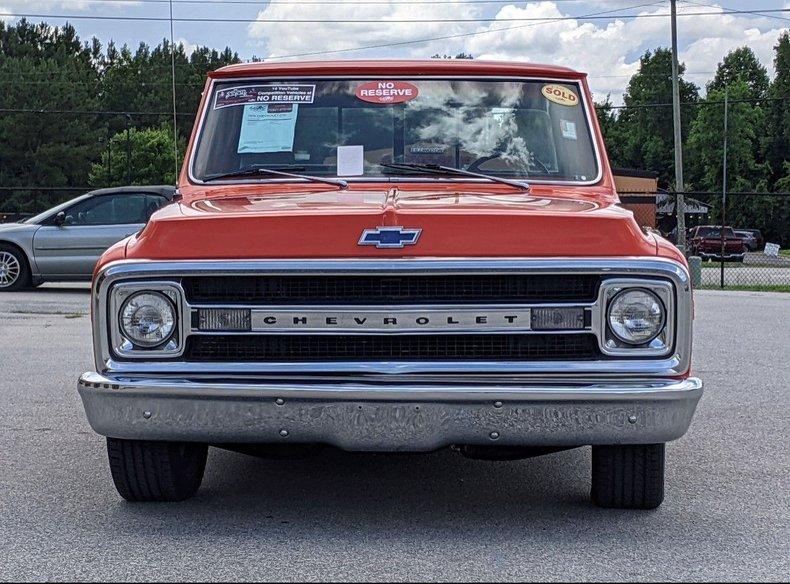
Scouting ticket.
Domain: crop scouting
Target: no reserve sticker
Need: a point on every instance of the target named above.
(387, 92)
(560, 94)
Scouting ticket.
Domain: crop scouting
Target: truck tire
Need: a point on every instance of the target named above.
(14, 271)
(156, 471)
(628, 477)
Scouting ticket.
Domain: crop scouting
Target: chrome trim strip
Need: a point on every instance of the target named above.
(578, 83)
(343, 314)
(674, 364)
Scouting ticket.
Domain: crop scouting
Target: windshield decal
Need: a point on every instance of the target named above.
(275, 93)
(568, 129)
(387, 92)
(267, 127)
(560, 94)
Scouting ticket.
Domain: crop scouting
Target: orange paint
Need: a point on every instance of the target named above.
(458, 219)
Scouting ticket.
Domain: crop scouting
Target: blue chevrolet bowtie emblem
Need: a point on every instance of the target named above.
(389, 237)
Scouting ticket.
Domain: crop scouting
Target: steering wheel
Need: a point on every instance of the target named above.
(475, 165)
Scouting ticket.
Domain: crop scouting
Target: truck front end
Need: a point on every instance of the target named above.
(393, 257)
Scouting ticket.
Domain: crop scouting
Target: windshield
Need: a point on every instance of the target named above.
(533, 130)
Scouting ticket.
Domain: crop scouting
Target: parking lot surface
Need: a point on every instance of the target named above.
(383, 517)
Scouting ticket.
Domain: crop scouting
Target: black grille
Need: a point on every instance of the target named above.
(377, 289)
(547, 347)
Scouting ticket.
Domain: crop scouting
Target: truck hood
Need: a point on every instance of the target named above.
(318, 223)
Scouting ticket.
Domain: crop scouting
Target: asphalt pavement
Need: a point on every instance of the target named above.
(344, 516)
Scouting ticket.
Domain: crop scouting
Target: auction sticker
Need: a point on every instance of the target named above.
(560, 94)
(387, 92)
(290, 93)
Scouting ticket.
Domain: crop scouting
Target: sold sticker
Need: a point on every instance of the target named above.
(560, 94)
(387, 92)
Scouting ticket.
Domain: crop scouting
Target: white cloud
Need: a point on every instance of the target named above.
(295, 38)
(608, 50)
(189, 47)
(69, 5)
(4, 10)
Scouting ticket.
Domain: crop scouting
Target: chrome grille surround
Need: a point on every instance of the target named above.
(672, 361)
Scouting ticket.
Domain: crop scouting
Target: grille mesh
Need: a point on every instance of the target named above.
(547, 347)
(378, 289)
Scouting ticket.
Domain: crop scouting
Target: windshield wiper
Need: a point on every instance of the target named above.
(255, 169)
(438, 169)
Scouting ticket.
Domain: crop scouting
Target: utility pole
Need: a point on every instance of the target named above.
(680, 203)
(173, 81)
(724, 186)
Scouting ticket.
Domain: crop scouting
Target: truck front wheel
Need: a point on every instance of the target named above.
(628, 477)
(156, 471)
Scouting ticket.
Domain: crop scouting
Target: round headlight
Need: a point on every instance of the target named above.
(148, 318)
(636, 316)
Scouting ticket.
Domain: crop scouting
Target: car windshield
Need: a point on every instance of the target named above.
(535, 130)
(716, 232)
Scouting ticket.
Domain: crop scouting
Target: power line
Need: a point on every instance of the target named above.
(13, 110)
(138, 113)
(377, 20)
(758, 12)
(307, 2)
(691, 103)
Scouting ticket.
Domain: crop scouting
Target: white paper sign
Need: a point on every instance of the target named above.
(268, 127)
(350, 160)
(772, 249)
(568, 129)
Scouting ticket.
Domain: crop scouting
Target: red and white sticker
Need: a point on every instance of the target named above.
(560, 94)
(387, 92)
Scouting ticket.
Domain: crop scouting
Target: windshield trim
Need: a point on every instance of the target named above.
(206, 107)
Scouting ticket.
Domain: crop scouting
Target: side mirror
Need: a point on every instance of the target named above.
(60, 219)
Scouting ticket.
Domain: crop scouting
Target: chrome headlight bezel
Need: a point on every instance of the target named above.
(125, 347)
(661, 344)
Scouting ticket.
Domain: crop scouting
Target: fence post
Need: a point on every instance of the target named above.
(724, 185)
(695, 267)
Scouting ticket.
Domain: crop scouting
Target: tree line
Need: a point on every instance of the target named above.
(60, 127)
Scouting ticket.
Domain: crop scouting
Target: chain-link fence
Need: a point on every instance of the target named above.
(749, 252)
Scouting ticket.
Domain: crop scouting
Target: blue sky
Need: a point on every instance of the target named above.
(608, 49)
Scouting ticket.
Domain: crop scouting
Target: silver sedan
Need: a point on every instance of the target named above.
(65, 242)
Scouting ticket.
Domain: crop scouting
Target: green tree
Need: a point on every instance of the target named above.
(46, 72)
(137, 157)
(741, 65)
(745, 173)
(610, 129)
(646, 129)
(778, 117)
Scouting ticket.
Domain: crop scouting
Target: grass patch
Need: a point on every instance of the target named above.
(74, 315)
(784, 252)
(750, 288)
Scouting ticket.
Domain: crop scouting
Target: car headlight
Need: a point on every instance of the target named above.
(148, 319)
(636, 316)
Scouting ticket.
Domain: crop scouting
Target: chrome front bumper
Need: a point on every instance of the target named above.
(391, 416)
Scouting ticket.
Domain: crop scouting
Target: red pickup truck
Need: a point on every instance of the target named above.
(706, 241)
(393, 256)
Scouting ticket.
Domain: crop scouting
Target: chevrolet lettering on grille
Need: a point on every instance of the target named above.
(402, 320)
